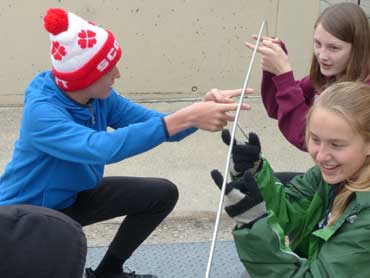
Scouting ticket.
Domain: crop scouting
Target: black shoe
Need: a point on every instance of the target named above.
(89, 273)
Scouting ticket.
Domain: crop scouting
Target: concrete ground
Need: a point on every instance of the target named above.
(186, 163)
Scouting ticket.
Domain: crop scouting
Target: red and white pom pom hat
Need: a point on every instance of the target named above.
(81, 52)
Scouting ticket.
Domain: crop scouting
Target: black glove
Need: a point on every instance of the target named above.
(241, 195)
(245, 156)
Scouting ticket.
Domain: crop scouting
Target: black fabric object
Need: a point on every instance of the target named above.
(37, 242)
(251, 195)
(219, 179)
(285, 177)
(254, 221)
(245, 155)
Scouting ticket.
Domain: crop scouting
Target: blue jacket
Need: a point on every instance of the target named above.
(63, 146)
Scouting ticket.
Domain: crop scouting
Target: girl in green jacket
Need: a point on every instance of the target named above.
(318, 225)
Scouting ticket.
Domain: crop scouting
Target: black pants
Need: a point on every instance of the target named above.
(144, 201)
(285, 177)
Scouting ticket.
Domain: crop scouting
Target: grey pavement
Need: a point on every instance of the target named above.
(187, 164)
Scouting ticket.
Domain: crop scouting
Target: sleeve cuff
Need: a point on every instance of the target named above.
(284, 81)
(165, 128)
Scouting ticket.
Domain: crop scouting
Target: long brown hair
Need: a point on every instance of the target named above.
(351, 101)
(349, 23)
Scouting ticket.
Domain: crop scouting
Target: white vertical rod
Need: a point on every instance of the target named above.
(226, 172)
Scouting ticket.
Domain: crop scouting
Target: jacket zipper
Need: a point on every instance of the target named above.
(93, 170)
(92, 114)
(92, 123)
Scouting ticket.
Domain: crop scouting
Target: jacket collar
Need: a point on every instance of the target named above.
(360, 202)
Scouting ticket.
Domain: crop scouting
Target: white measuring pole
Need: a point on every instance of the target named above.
(226, 172)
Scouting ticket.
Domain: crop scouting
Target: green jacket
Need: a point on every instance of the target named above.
(342, 250)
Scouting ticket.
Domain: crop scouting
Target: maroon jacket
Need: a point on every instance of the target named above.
(288, 101)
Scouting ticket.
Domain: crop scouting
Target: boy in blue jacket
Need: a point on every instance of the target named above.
(59, 157)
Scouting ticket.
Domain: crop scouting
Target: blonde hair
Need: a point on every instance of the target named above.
(347, 22)
(351, 101)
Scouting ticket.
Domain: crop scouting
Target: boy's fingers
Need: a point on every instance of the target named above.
(226, 107)
(229, 117)
(237, 92)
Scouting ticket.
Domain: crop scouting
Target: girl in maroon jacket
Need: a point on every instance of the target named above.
(341, 44)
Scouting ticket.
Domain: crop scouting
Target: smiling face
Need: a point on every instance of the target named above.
(331, 53)
(335, 146)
